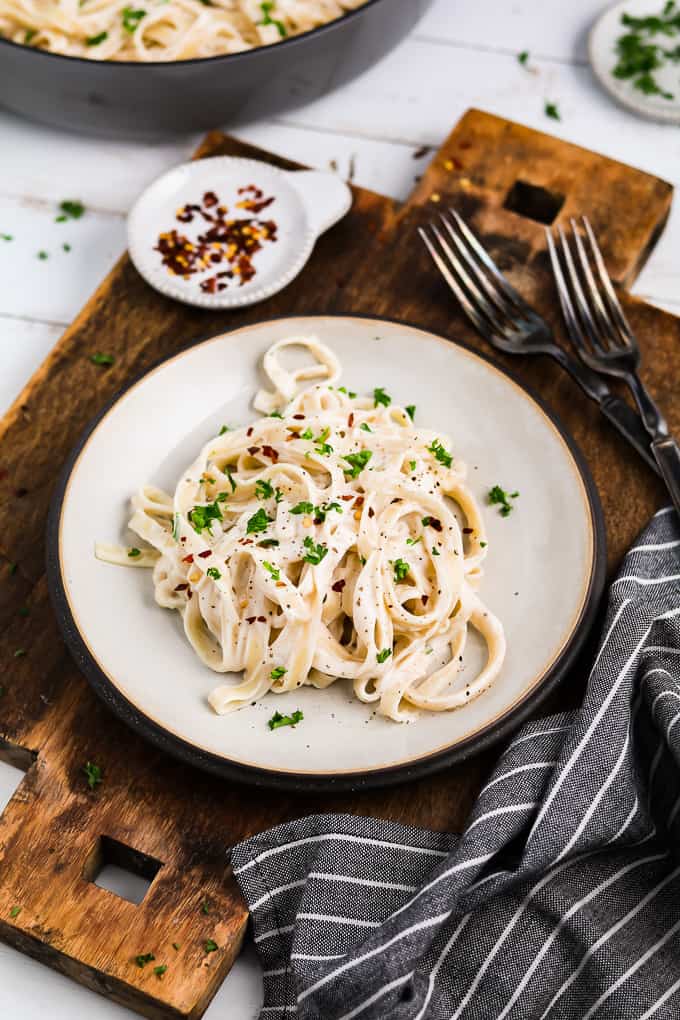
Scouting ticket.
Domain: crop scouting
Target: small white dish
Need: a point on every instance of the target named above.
(543, 577)
(603, 58)
(305, 204)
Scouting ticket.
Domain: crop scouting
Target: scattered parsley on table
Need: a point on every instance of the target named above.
(93, 774)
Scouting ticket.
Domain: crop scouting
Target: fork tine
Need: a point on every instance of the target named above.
(478, 322)
(613, 301)
(582, 307)
(608, 330)
(488, 262)
(573, 326)
(493, 291)
(471, 286)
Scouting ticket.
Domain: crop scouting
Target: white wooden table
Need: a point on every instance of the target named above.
(461, 55)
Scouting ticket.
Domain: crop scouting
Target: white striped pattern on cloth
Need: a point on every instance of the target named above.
(561, 898)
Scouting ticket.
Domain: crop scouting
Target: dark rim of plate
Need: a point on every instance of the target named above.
(233, 57)
(310, 782)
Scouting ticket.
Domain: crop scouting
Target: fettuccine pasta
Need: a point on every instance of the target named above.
(334, 538)
(161, 30)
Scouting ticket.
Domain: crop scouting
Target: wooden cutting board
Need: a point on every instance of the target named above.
(151, 814)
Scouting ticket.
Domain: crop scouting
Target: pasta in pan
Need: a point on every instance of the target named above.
(332, 538)
(161, 30)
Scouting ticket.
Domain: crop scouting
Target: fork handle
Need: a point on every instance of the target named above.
(667, 453)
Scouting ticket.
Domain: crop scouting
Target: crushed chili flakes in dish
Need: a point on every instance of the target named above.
(229, 241)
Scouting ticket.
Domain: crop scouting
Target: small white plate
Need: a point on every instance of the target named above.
(306, 203)
(603, 59)
(543, 575)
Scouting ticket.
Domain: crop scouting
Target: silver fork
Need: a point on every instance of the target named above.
(509, 324)
(603, 338)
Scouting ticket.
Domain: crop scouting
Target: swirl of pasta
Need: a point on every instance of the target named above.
(331, 539)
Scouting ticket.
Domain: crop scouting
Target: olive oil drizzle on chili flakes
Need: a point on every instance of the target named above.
(231, 241)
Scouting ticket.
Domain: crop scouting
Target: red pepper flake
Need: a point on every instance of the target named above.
(466, 531)
(371, 512)
(436, 525)
(232, 241)
(339, 585)
(188, 559)
(181, 587)
(252, 450)
(250, 431)
(299, 417)
(270, 452)
(204, 555)
(251, 619)
(350, 420)
(424, 599)
(293, 435)
(348, 497)
(190, 594)
(360, 501)
(262, 619)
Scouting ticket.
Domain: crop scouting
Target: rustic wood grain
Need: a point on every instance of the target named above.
(50, 721)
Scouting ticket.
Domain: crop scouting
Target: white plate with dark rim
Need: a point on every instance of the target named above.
(543, 577)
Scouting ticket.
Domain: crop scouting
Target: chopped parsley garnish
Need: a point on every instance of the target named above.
(134, 553)
(66, 247)
(94, 40)
(13, 567)
(274, 571)
(201, 517)
(175, 946)
(264, 489)
(267, 7)
(7, 237)
(276, 414)
(551, 110)
(175, 527)
(42, 255)
(414, 541)
(160, 970)
(411, 411)
(71, 209)
(523, 57)
(224, 428)
(348, 393)
(278, 672)
(131, 18)
(214, 573)
(315, 553)
(20, 652)
(24, 611)
(278, 495)
(322, 447)
(498, 496)
(210, 946)
(227, 472)
(483, 545)
(258, 522)
(102, 359)
(365, 426)
(412, 465)
(30, 36)
(14, 912)
(384, 655)
(440, 454)
(307, 434)
(380, 397)
(278, 720)
(303, 508)
(357, 462)
(639, 55)
(321, 511)
(93, 774)
(268, 543)
(205, 908)
(435, 551)
(401, 569)
(143, 958)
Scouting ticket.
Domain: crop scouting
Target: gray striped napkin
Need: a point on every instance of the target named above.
(562, 897)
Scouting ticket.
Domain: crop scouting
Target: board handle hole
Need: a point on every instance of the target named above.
(15, 761)
(534, 202)
(121, 870)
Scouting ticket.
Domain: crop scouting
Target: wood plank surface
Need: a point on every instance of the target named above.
(51, 723)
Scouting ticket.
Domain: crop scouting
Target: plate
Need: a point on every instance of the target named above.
(603, 58)
(543, 576)
(301, 204)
